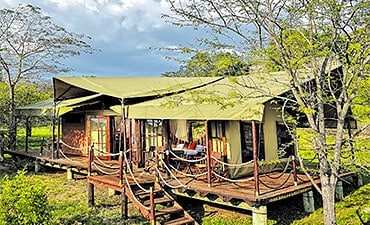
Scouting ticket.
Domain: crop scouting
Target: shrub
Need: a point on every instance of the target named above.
(23, 202)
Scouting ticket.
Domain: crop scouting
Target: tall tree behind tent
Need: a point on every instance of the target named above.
(210, 64)
(31, 47)
(296, 36)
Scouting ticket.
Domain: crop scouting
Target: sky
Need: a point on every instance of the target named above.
(125, 32)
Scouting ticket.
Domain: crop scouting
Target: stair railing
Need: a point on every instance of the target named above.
(152, 207)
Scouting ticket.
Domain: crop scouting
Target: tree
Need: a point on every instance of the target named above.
(209, 64)
(313, 36)
(32, 46)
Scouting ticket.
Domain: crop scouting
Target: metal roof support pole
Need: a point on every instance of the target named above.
(123, 131)
(255, 159)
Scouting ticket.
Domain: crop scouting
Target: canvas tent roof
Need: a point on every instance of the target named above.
(236, 98)
(125, 87)
(45, 108)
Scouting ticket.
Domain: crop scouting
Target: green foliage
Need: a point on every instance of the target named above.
(34, 140)
(348, 211)
(209, 64)
(23, 202)
(230, 220)
(361, 104)
(24, 94)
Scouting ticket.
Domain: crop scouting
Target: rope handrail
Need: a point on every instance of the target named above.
(64, 155)
(188, 174)
(231, 180)
(97, 166)
(166, 183)
(188, 160)
(106, 165)
(132, 175)
(132, 193)
(283, 172)
(71, 147)
(231, 164)
(279, 186)
(170, 171)
(105, 153)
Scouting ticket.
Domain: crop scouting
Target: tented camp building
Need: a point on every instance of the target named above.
(220, 139)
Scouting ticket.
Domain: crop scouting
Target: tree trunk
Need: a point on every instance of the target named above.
(328, 183)
(12, 120)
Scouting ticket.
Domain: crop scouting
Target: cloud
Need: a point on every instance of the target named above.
(123, 30)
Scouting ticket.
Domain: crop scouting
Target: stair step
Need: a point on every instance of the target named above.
(161, 200)
(180, 221)
(141, 192)
(168, 211)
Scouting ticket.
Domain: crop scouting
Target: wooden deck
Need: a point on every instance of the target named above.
(235, 194)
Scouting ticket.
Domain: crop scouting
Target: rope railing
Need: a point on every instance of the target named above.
(188, 174)
(132, 193)
(71, 147)
(282, 172)
(279, 186)
(231, 164)
(104, 153)
(99, 168)
(231, 180)
(170, 172)
(106, 165)
(64, 155)
(132, 175)
(166, 183)
(187, 160)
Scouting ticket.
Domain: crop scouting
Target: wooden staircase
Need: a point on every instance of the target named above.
(167, 210)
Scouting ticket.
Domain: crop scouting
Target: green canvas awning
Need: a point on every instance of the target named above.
(125, 87)
(45, 108)
(236, 98)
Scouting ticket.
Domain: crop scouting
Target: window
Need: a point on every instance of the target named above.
(247, 141)
(153, 133)
(99, 134)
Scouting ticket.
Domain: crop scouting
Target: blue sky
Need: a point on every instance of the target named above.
(123, 30)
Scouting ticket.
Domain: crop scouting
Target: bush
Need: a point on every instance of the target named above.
(23, 202)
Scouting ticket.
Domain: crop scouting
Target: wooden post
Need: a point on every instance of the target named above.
(255, 159)
(152, 207)
(294, 165)
(208, 161)
(156, 160)
(124, 204)
(130, 157)
(90, 160)
(58, 137)
(120, 160)
(91, 202)
(27, 132)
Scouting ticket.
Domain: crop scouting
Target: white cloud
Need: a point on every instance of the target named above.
(122, 29)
